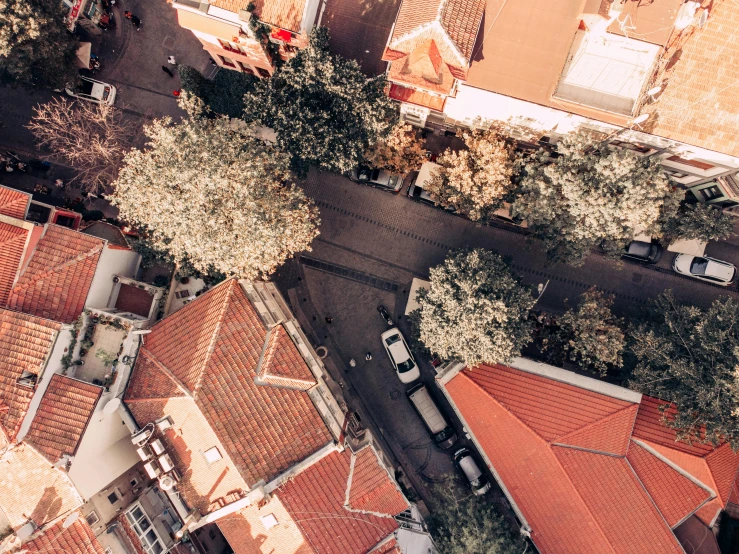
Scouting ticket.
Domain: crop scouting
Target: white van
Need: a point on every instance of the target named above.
(442, 433)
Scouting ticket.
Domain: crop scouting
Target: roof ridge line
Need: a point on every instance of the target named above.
(602, 419)
(213, 338)
(583, 449)
(167, 372)
(347, 506)
(55, 269)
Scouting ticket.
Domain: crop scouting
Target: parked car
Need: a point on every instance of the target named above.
(643, 252)
(93, 90)
(416, 190)
(466, 463)
(442, 433)
(400, 355)
(705, 268)
(377, 178)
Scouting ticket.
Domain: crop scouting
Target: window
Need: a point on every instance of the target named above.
(212, 535)
(134, 482)
(263, 72)
(228, 62)
(113, 497)
(144, 530)
(212, 455)
(92, 518)
(709, 193)
(245, 68)
(674, 173)
(268, 521)
(692, 163)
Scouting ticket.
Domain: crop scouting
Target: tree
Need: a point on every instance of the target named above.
(36, 48)
(400, 152)
(475, 309)
(224, 94)
(590, 335)
(474, 181)
(92, 138)
(690, 357)
(324, 110)
(213, 196)
(470, 525)
(591, 193)
(698, 222)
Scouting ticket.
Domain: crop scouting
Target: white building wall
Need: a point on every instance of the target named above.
(112, 262)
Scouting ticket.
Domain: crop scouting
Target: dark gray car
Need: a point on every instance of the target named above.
(643, 252)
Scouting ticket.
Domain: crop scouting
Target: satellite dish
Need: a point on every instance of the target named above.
(653, 91)
(641, 119)
(70, 519)
(703, 19)
(166, 482)
(112, 406)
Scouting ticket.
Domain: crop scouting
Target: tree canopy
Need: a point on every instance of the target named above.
(476, 180)
(224, 94)
(698, 222)
(590, 194)
(36, 48)
(212, 195)
(690, 356)
(400, 152)
(325, 111)
(475, 309)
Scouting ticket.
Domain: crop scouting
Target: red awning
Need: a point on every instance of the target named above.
(281, 34)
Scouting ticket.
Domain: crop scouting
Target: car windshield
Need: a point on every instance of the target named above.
(392, 339)
(698, 266)
(639, 249)
(406, 366)
(86, 86)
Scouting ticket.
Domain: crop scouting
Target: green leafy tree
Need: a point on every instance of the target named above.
(590, 335)
(690, 356)
(214, 197)
(35, 46)
(698, 222)
(591, 193)
(224, 94)
(400, 152)
(324, 110)
(475, 309)
(470, 525)
(476, 180)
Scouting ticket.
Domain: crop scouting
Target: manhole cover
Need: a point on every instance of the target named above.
(636, 278)
(394, 394)
(322, 352)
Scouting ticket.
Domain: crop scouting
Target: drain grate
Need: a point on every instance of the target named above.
(351, 274)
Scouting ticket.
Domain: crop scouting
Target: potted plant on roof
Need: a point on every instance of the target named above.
(106, 357)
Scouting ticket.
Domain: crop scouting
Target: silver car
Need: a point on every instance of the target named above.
(704, 268)
(466, 463)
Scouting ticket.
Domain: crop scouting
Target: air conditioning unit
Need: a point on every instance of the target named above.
(152, 470)
(166, 462)
(157, 447)
(141, 437)
(167, 482)
(144, 453)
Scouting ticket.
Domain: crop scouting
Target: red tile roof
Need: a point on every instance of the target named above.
(371, 489)
(414, 96)
(316, 497)
(78, 538)
(62, 417)
(14, 203)
(13, 241)
(649, 427)
(57, 279)
(210, 350)
(565, 456)
(25, 344)
(391, 546)
(282, 364)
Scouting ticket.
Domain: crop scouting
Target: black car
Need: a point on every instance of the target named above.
(643, 252)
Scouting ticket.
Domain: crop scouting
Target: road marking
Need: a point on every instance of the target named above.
(351, 274)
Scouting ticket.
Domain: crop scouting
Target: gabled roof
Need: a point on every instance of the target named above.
(566, 449)
(25, 344)
(13, 240)
(208, 352)
(287, 14)
(57, 279)
(329, 502)
(31, 488)
(14, 203)
(282, 364)
(106, 231)
(78, 538)
(62, 417)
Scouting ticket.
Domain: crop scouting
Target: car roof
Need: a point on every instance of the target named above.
(470, 467)
(721, 270)
(639, 248)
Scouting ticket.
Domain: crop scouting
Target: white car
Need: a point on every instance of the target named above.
(400, 355)
(93, 91)
(705, 268)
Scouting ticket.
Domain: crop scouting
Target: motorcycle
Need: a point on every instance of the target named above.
(385, 315)
(12, 162)
(94, 63)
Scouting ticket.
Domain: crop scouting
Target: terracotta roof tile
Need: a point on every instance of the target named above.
(618, 502)
(389, 547)
(610, 434)
(31, 488)
(78, 538)
(287, 14)
(212, 346)
(14, 203)
(371, 489)
(62, 417)
(315, 500)
(676, 496)
(13, 241)
(723, 464)
(57, 279)
(25, 344)
(551, 409)
(134, 300)
(282, 364)
(106, 231)
(649, 427)
(414, 96)
(151, 380)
